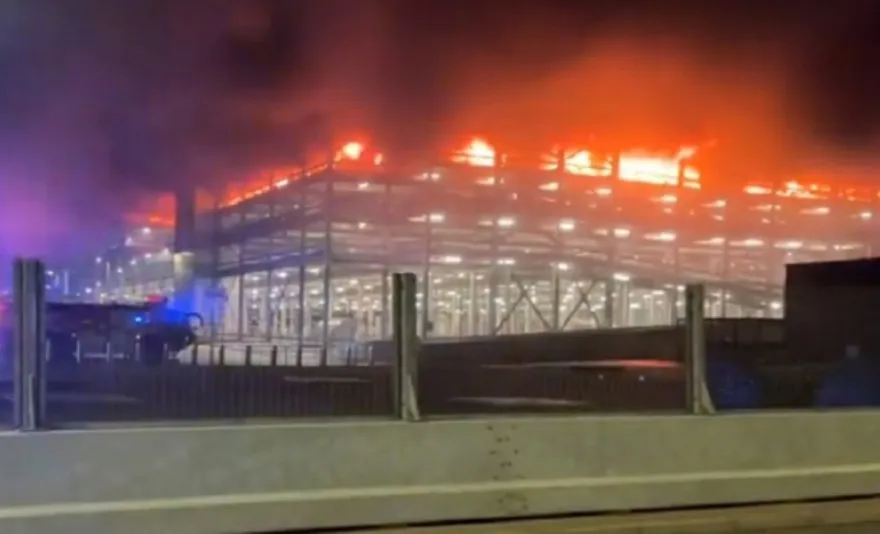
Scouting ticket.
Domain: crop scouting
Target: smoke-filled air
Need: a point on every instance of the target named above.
(106, 105)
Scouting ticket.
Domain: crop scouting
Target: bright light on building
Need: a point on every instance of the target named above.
(566, 225)
(622, 277)
(506, 222)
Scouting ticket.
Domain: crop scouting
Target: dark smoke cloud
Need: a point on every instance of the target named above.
(103, 102)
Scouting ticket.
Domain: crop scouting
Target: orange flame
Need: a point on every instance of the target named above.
(351, 151)
(633, 166)
(478, 153)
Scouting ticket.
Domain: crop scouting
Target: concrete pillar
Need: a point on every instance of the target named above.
(187, 291)
(473, 306)
(609, 306)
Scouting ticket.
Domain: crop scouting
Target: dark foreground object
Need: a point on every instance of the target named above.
(635, 371)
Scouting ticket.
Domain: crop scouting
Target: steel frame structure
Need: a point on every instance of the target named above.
(502, 249)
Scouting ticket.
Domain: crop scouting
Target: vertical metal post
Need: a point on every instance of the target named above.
(557, 301)
(725, 275)
(241, 278)
(301, 274)
(385, 318)
(425, 327)
(624, 313)
(672, 295)
(699, 400)
(30, 344)
(326, 344)
(406, 345)
(269, 310)
(473, 306)
(608, 306)
(217, 287)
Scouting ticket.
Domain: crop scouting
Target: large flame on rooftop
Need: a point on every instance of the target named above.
(634, 166)
(669, 169)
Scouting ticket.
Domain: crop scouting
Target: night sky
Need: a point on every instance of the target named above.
(103, 100)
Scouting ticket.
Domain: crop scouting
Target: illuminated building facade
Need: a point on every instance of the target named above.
(567, 240)
(138, 268)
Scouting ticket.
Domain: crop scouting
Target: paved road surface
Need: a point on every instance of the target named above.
(843, 517)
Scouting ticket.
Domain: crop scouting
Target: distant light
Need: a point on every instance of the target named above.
(790, 245)
(752, 242)
(820, 210)
(352, 150)
(566, 225)
(98, 259)
(563, 266)
(506, 222)
(622, 277)
(436, 217)
(665, 237)
(506, 261)
(146, 230)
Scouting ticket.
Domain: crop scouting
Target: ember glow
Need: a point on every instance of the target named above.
(478, 153)
(635, 166)
(351, 151)
(672, 169)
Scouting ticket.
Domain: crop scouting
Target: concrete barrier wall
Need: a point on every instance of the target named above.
(258, 478)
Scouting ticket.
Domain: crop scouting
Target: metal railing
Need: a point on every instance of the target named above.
(699, 366)
(401, 378)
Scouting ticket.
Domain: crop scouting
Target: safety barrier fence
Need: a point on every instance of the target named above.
(411, 463)
(698, 365)
(119, 382)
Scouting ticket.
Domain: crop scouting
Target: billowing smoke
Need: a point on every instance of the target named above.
(104, 103)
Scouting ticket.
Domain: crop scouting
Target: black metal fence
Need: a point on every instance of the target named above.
(698, 366)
